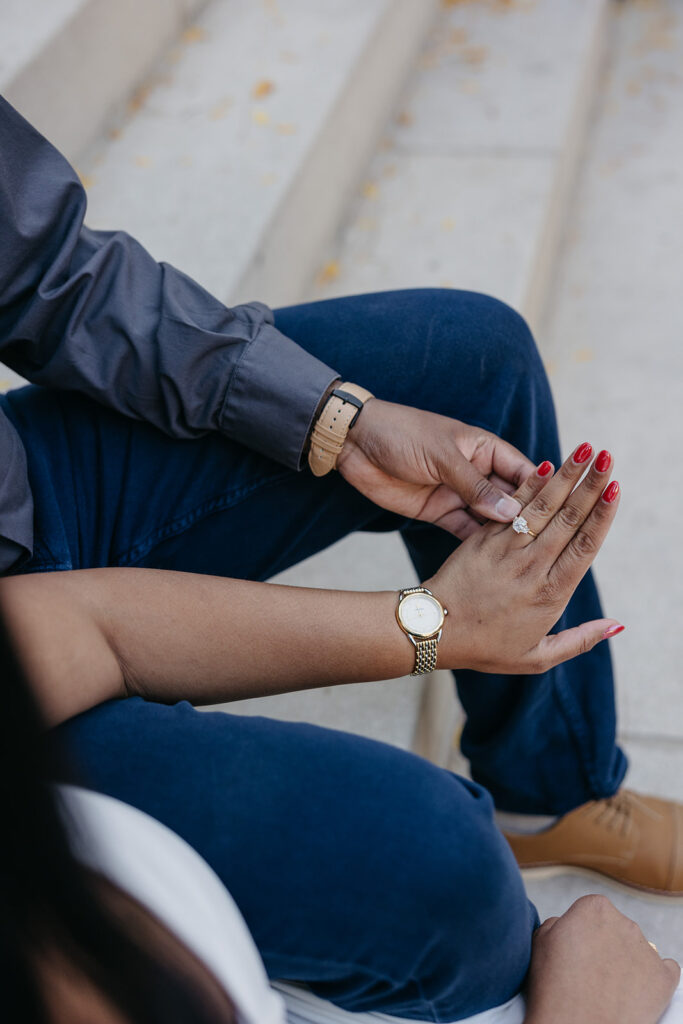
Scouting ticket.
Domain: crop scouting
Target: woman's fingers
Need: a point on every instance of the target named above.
(573, 513)
(576, 557)
(547, 502)
(674, 969)
(533, 484)
(558, 647)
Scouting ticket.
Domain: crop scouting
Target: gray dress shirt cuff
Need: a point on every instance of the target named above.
(272, 396)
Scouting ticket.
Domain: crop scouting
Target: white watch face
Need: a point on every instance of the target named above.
(420, 614)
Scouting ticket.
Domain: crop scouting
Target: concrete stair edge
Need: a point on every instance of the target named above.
(285, 257)
(440, 716)
(70, 85)
(567, 165)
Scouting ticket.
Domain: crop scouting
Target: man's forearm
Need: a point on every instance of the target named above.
(94, 312)
(92, 635)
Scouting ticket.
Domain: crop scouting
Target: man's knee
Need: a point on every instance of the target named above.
(495, 333)
(473, 341)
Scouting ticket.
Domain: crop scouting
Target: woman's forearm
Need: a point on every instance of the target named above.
(91, 635)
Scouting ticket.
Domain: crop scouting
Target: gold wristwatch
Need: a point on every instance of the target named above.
(421, 616)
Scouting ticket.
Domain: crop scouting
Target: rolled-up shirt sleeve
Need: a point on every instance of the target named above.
(92, 311)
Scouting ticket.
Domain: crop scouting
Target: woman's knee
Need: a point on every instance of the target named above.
(470, 912)
(445, 914)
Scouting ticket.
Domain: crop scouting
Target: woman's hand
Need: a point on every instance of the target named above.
(430, 467)
(595, 965)
(504, 591)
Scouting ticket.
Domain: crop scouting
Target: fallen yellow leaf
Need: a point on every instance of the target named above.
(262, 88)
(87, 180)
(329, 272)
(139, 98)
(193, 34)
(260, 116)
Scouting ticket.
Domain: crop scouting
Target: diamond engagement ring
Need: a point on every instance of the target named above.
(520, 525)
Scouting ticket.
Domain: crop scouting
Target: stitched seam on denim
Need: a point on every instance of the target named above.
(181, 523)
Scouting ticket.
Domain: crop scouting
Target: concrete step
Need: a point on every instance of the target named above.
(613, 342)
(66, 64)
(247, 139)
(468, 188)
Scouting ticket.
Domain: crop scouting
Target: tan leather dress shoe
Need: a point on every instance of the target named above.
(633, 840)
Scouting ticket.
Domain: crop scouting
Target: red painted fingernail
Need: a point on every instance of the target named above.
(610, 492)
(583, 453)
(544, 468)
(612, 631)
(603, 460)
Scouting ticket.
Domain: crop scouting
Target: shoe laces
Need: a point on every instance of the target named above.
(616, 812)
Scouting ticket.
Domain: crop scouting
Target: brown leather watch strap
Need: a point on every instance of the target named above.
(333, 424)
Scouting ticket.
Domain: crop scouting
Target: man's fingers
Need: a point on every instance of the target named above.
(504, 485)
(480, 494)
(459, 522)
(559, 647)
(509, 463)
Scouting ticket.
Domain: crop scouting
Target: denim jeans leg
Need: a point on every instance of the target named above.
(541, 744)
(364, 871)
(112, 491)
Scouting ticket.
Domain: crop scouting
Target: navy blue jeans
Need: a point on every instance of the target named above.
(370, 874)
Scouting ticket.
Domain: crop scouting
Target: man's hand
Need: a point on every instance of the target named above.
(595, 966)
(430, 467)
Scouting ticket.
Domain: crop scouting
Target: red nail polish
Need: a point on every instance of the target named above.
(612, 631)
(603, 460)
(544, 468)
(610, 492)
(583, 453)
